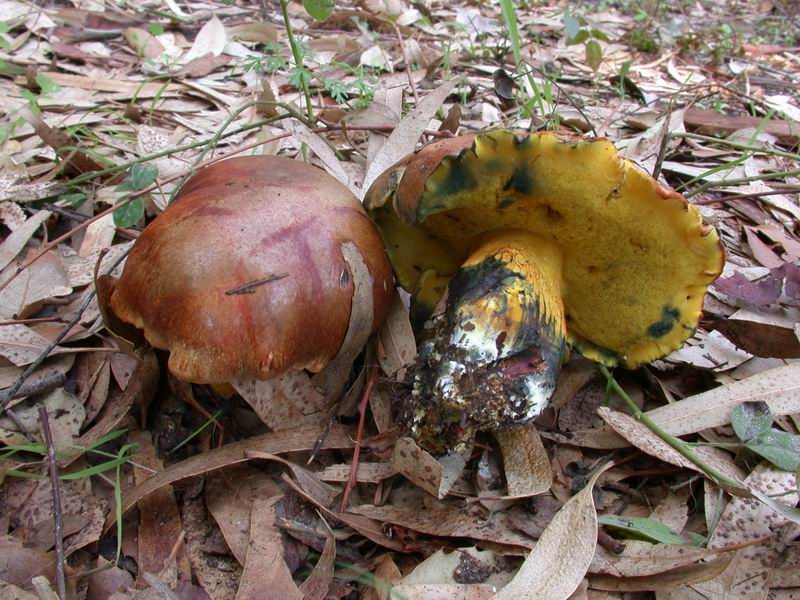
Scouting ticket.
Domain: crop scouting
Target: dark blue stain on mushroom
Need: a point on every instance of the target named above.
(669, 316)
(520, 181)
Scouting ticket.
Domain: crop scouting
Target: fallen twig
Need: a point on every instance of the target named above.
(59, 517)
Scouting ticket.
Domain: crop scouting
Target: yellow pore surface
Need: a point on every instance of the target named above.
(636, 259)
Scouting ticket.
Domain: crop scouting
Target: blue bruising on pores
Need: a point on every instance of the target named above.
(669, 316)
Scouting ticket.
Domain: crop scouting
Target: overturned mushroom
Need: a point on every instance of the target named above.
(533, 241)
(245, 274)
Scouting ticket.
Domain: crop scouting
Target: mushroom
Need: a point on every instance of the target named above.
(246, 272)
(532, 242)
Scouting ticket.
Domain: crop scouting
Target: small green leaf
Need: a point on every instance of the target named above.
(143, 175)
(599, 35)
(581, 37)
(47, 85)
(751, 419)
(319, 9)
(73, 198)
(155, 29)
(594, 54)
(129, 214)
(643, 527)
(571, 26)
(780, 448)
(4, 43)
(4, 28)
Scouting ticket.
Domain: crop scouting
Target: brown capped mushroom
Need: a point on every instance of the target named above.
(245, 273)
(533, 241)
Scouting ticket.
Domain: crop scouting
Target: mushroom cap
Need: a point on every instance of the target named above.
(637, 258)
(272, 222)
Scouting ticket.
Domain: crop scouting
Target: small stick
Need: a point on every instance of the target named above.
(250, 288)
(51, 462)
(362, 411)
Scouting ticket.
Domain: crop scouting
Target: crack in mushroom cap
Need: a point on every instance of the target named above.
(197, 281)
(637, 257)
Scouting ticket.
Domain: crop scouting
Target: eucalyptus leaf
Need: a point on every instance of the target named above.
(643, 527)
(780, 448)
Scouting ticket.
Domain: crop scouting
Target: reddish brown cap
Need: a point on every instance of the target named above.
(244, 274)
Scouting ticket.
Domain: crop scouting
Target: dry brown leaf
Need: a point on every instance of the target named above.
(145, 380)
(317, 584)
(51, 370)
(444, 591)
(461, 566)
(265, 567)
(333, 377)
(16, 240)
(18, 564)
(232, 511)
(323, 493)
(526, 463)
(779, 388)
(368, 472)
(386, 573)
(60, 142)
(66, 414)
(321, 148)
(160, 528)
(22, 345)
(397, 348)
(284, 403)
(46, 278)
(647, 441)
(559, 561)
(12, 592)
(369, 528)
(279, 441)
(434, 476)
(405, 136)
(210, 40)
(254, 32)
(690, 575)
(747, 520)
(641, 559)
(448, 520)
(144, 43)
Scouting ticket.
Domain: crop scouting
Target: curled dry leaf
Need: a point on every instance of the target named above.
(561, 557)
(333, 377)
(317, 584)
(434, 476)
(526, 463)
(643, 438)
(279, 441)
(265, 567)
(398, 348)
(321, 148)
(461, 566)
(779, 388)
(403, 139)
(691, 575)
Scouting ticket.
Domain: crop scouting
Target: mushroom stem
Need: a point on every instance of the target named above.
(498, 345)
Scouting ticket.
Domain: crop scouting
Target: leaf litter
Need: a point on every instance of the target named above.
(87, 91)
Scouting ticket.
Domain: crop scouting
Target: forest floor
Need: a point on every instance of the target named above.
(110, 470)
